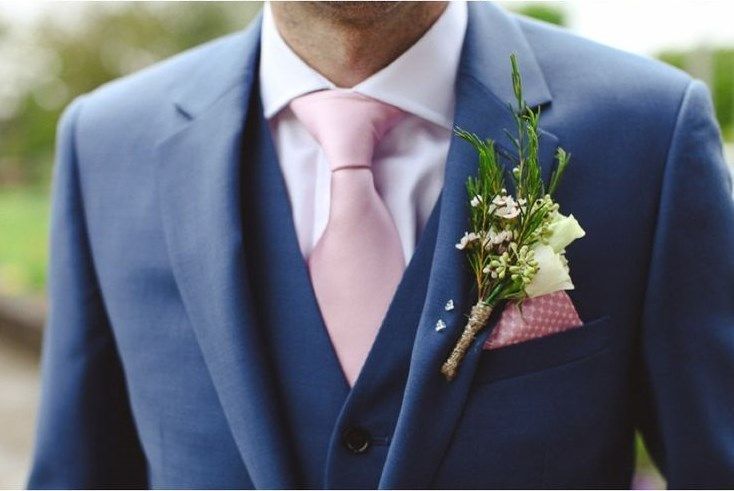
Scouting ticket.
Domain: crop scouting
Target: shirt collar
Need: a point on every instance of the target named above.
(433, 60)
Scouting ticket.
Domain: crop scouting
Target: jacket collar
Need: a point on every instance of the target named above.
(492, 35)
(223, 65)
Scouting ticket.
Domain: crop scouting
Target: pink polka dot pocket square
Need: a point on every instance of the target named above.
(538, 317)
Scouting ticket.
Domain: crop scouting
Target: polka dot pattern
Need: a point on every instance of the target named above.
(540, 316)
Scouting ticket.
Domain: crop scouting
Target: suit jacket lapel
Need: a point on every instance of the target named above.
(432, 406)
(200, 204)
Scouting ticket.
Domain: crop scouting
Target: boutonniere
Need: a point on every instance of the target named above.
(517, 241)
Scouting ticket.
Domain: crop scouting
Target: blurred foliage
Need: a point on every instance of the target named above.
(92, 44)
(721, 79)
(542, 11)
(23, 248)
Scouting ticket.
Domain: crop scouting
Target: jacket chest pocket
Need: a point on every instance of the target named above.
(544, 353)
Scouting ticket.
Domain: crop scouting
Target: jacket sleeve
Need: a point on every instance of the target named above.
(85, 436)
(686, 368)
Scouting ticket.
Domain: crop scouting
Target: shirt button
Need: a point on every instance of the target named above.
(357, 440)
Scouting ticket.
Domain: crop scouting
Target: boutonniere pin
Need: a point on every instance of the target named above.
(516, 243)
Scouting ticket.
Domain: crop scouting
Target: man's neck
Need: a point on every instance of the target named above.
(349, 41)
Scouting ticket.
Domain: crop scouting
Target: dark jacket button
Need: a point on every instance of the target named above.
(357, 440)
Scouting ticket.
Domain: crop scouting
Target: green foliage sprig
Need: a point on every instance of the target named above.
(505, 227)
(507, 230)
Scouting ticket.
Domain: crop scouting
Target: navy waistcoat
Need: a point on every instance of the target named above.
(339, 436)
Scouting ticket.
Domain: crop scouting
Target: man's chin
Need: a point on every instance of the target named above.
(357, 12)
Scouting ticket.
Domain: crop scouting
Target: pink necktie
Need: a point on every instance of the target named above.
(357, 263)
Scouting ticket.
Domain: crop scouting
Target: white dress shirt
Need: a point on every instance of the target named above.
(409, 161)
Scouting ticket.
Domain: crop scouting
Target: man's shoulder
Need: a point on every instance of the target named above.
(584, 69)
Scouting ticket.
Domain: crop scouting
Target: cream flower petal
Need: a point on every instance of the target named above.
(564, 230)
(552, 274)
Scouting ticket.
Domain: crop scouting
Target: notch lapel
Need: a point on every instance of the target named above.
(431, 405)
(199, 189)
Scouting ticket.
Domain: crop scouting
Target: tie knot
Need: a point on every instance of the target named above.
(346, 124)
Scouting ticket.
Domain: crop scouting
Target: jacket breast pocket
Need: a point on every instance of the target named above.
(544, 353)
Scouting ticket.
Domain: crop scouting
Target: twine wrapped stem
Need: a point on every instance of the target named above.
(478, 318)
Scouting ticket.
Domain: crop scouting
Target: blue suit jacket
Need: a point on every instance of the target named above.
(153, 372)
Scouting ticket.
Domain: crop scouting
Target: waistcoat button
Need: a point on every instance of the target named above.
(357, 440)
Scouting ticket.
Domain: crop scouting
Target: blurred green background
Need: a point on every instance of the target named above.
(72, 48)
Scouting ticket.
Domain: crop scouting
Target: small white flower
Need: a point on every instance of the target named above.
(501, 200)
(475, 201)
(507, 207)
(507, 212)
(466, 240)
(449, 305)
(440, 325)
(503, 236)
